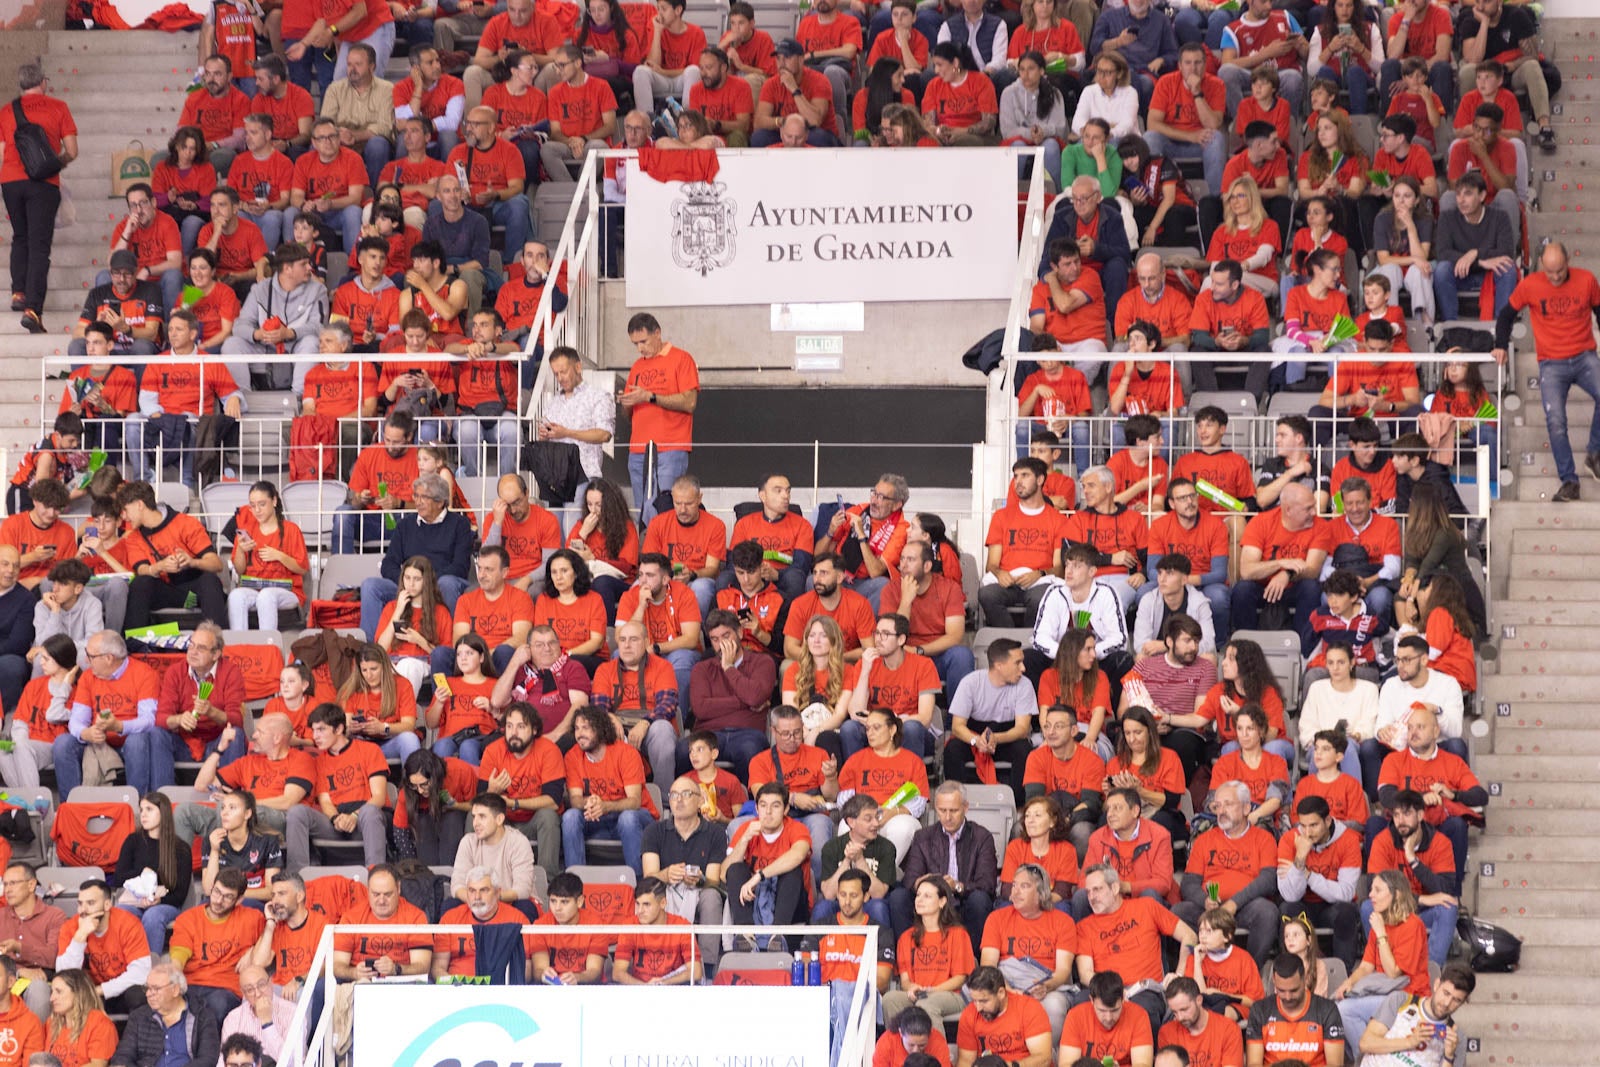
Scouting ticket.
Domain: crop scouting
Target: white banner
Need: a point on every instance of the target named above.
(590, 1026)
(806, 225)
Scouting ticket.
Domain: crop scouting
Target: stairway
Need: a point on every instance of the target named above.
(1535, 866)
(121, 87)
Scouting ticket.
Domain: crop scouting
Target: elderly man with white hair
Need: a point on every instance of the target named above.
(148, 1039)
(482, 903)
(444, 536)
(1241, 859)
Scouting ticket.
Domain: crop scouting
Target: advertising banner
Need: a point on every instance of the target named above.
(809, 225)
(590, 1026)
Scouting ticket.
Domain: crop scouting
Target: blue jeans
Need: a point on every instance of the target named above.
(400, 746)
(1220, 598)
(469, 751)
(497, 437)
(670, 466)
(155, 919)
(151, 756)
(352, 528)
(853, 737)
(954, 664)
(1440, 919)
(1556, 379)
(376, 592)
(1447, 289)
(311, 65)
(1213, 155)
(375, 153)
(1358, 81)
(1191, 26)
(625, 826)
(270, 222)
(345, 221)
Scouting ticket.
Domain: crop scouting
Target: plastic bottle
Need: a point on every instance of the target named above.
(814, 974)
(797, 970)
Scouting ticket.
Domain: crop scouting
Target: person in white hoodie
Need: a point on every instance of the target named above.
(1032, 112)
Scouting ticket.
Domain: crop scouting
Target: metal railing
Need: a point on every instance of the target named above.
(309, 1041)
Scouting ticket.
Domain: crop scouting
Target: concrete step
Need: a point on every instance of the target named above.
(1500, 906)
(1546, 876)
(1520, 515)
(1514, 1021)
(152, 123)
(1529, 823)
(1550, 542)
(85, 81)
(1497, 847)
(1510, 1049)
(1530, 798)
(1541, 768)
(1558, 959)
(1511, 741)
(1544, 662)
(145, 43)
(1527, 989)
(1547, 638)
(1556, 591)
(1526, 611)
(1531, 717)
(1541, 484)
(1554, 565)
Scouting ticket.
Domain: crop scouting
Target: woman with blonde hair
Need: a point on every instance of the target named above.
(1396, 958)
(1247, 236)
(815, 684)
(79, 1032)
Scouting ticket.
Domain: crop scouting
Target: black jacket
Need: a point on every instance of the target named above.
(144, 1038)
(929, 853)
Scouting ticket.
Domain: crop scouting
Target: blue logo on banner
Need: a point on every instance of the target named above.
(518, 1026)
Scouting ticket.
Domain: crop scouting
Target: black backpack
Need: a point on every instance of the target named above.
(39, 157)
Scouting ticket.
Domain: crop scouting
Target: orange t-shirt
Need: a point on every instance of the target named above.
(664, 621)
(609, 776)
(294, 948)
(1084, 770)
(1266, 534)
(688, 546)
(617, 689)
(963, 104)
(537, 766)
(107, 955)
(1271, 703)
(573, 623)
(1037, 939)
(375, 467)
(1313, 314)
(347, 776)
(1071, 393)
(1168, 776)
(1082, 1030)
(1127, 941)
(527, 541)
(1028, 541)
(578, 112)
(1007, 1034)
(1149, 392)
(1201, 545)
(1084, 323)
(1127, 472)
(461, 710)
(21, 533)
(900, 689)
(656, 955)
(854, 616)
(672, 370)
(568, 953)
(1083, 703)
(1060, 861)
(1219, 1045)
(1231, 862)
(216, 947)
(1346, 800)
(1172, 98)
(790, 534)
(939, 958)
(890, 1051)
(365, 948)
(493, 619)
(1456, 656)
(879, 777)
(189, 388)
(1230, 242)
(1231, 767)
(368, 704)
(97, 1041)
(1344, 851)
(1170, 313)
(334, 178)
(401, 647)
(265, 778)
(1408, 942)
(121, 696)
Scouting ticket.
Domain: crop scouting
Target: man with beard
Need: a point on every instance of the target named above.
(1024, 544)
(1208, 1038)
(1002, 1023)
(727, 103)
(656, 958)
(1172, 686)
(1240, 859)
(290, 938)
(110, 944)
(828, 597)
(1294, 1024)
(1123, 937)
(1031, 944)
(873, 534)
(209, 941)
(605, 790)
(380, 481)
(1105, 1029)
(1409, 1029)
(1416, 847)
(524, 768)
(1318, 864)
(482, 903)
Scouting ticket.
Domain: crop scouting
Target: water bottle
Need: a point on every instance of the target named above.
(797, 970)
(814, 975)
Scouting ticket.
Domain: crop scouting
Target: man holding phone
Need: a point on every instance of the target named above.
(39, 535)
(685, 851)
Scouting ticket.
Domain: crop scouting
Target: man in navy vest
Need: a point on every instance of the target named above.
(986, 37)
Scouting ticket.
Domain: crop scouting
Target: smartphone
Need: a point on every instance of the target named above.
(839, 499)
(692, 870)
(1344, 28)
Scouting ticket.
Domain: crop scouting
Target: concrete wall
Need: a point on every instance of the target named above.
(901, 343)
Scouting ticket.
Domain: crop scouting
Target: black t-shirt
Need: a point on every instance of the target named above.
(1516, 25)
(1273, 469)
(138, 307)
(260, 852)
(706, 846)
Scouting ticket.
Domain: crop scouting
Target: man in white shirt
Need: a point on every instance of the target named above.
(1080, 594)
(577, 412)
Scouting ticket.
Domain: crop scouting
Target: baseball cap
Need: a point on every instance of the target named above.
(789, 47)
(124, 260)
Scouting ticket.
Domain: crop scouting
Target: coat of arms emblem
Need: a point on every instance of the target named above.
(703, 228)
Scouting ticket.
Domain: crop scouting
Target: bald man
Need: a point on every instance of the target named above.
(16, 626)
(639, 691)
(1280, 563)
(496, 177)
(792, 132)
(1562, 300)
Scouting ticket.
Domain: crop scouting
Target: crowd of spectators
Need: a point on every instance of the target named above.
(757, 717)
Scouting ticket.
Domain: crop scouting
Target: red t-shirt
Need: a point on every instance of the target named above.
(941, 956)
(1228, 241)
(814, 86)
(495, 168)
(1251, 111)
(579, 111)
(151, 244)
(217, 116)
(435, 100)
(404, 171)
(1084, 770)
(608, 777)
(337, 177)
(1068, 384)
(1562, 317)
(1424, 33)
(238, 251)
(514, 112)
(46, 112)
(1346, 801)
(1026, 541)
(879, 777)
(1084, 323)
(1341, 853)
(1315, 315)
(286, 112)
(963, 104)
(726, 103)
(1408, 942)
(574, 623)
(689, 546)
(270, 177)
(672, 370)
(1266, 533)
(1176, 103)
(541, 36)
(1247, 313)
(1007, 1034)
(1127, 941)
(1082, 1030)
(899, 689)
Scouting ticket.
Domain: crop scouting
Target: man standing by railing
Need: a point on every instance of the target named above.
(662, 391)
(1563, 301)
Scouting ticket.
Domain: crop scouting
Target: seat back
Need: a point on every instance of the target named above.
(1282, 649)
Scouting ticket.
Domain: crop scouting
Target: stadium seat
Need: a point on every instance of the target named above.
(105, 794)
(1282, 649)
(311, 872)
(220, 501)
(346, 571)
(310, 505)
(69, 879)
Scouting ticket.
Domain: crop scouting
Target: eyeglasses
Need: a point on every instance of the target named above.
(202, 648)
(324, 137)
(682, 794)
(875, 495)
(775, 733)
(1241, 195)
